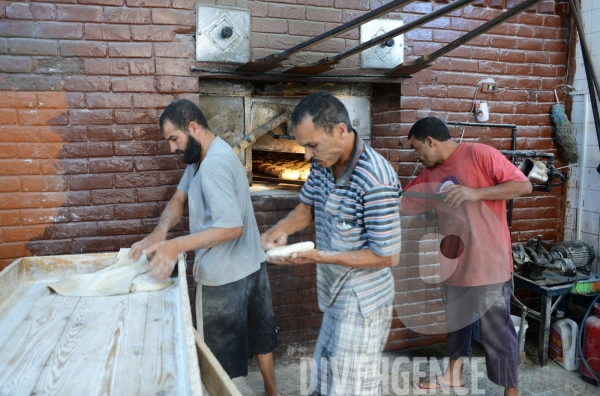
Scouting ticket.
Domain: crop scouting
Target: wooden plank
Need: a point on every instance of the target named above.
(214, 377)
(101, 343)
(187, 357)
(23, 356)
(18, 306)
(49, 268)
(159, 369)
(11, 278)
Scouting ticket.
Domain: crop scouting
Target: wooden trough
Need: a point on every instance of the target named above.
(135, 344)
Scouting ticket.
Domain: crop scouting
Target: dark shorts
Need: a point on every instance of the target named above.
(238, 321)
(498, 334)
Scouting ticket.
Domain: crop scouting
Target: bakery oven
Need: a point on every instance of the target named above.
(255, 120)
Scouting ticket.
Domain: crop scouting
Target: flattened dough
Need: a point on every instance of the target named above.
(287, 251)
(120, 278)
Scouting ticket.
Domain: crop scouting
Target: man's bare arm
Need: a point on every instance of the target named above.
(297, 220)
(168, 219)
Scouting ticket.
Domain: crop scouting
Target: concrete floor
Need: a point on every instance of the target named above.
(551, 380)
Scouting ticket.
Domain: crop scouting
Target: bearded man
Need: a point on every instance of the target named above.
(233, 296)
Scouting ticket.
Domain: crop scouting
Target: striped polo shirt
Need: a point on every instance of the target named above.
(359, 211)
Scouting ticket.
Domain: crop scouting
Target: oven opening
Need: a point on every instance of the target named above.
(279, 167)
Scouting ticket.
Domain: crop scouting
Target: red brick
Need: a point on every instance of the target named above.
(121, 227)
(20, 200)
(64, 167)
(62, 134)
(59, 30)
(177, 84)
(16, 28)
(512, 56)
(102, 2)
(87, 117)
(363, 5)
(91, 213)
(43, 183)
(128, 16)
(445, 36)
(8, 116)
(139, 66)
(42, 116)
(294, 12)
(109, 133)
(87, 149)
(79, 13)
(13, 64)
(129, 84)
(135, 148)
(35, 12)
(505, 42)
(113, 196)
(107, 32)
(136, 116)
(34, 150)
(18, 134)
(170, 177)
(156, 163)
(107, 165)
(106, 66)
(175, 50)
(12, 250)
(91, 182)
(130, 50)
(529, 44)
(173, 17)
(305, 28)
(155, 33)
(44, 216)
(491, 67)
(137, 179)
(172, 67)
(82, 48)
(10, 217)
(268, 25)
(87, 84)
(19, 46)
(96, 245)
(16, 234)
(52, 100)
(108, 101)
(152, 101)
(544, 70)
(9, 184)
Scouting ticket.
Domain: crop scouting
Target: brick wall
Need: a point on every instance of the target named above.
(83, 167)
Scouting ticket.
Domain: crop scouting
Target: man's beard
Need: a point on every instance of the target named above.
(192, 152)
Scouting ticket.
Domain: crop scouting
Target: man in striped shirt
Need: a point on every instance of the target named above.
(352, 194)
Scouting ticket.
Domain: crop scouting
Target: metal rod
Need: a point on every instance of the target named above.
(426, 60)
(257, 133)
(327, 63)
(274, 61)
(528, 153)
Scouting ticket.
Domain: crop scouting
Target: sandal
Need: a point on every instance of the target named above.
(438, 383)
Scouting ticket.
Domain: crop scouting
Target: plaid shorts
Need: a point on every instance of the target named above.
(348, 352)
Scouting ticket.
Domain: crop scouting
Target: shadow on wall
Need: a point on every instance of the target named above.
(79, 181)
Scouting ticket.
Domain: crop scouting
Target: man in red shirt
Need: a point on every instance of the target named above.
(475, 248)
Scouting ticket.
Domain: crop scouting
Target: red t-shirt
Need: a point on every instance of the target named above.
(485, 256)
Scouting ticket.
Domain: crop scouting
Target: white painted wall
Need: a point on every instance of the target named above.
(590, 215)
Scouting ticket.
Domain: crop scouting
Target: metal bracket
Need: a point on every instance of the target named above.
(222, 34)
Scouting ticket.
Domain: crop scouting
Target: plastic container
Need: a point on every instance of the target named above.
(591, 343)
(563, 344)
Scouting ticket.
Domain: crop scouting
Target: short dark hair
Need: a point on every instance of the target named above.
(325, 109)
(429, 127)
(180, 113)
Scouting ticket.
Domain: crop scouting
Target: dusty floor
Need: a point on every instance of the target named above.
(551, 380)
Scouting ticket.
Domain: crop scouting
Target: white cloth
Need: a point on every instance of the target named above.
(123, 277)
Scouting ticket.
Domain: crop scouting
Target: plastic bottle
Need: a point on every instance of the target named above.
(591, 343)
(563, 344)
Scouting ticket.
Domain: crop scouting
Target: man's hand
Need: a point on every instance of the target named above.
(456, 194)
(308, 257)
(164, 256)
(137, 249)
(273, 237)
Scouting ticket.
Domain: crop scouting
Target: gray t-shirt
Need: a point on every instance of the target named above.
(218, 196)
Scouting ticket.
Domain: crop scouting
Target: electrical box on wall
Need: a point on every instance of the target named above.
(222, 34)
(386, 55)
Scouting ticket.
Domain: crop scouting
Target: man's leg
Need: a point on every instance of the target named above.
(500, 339)
(262, 336)
(459, 317)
